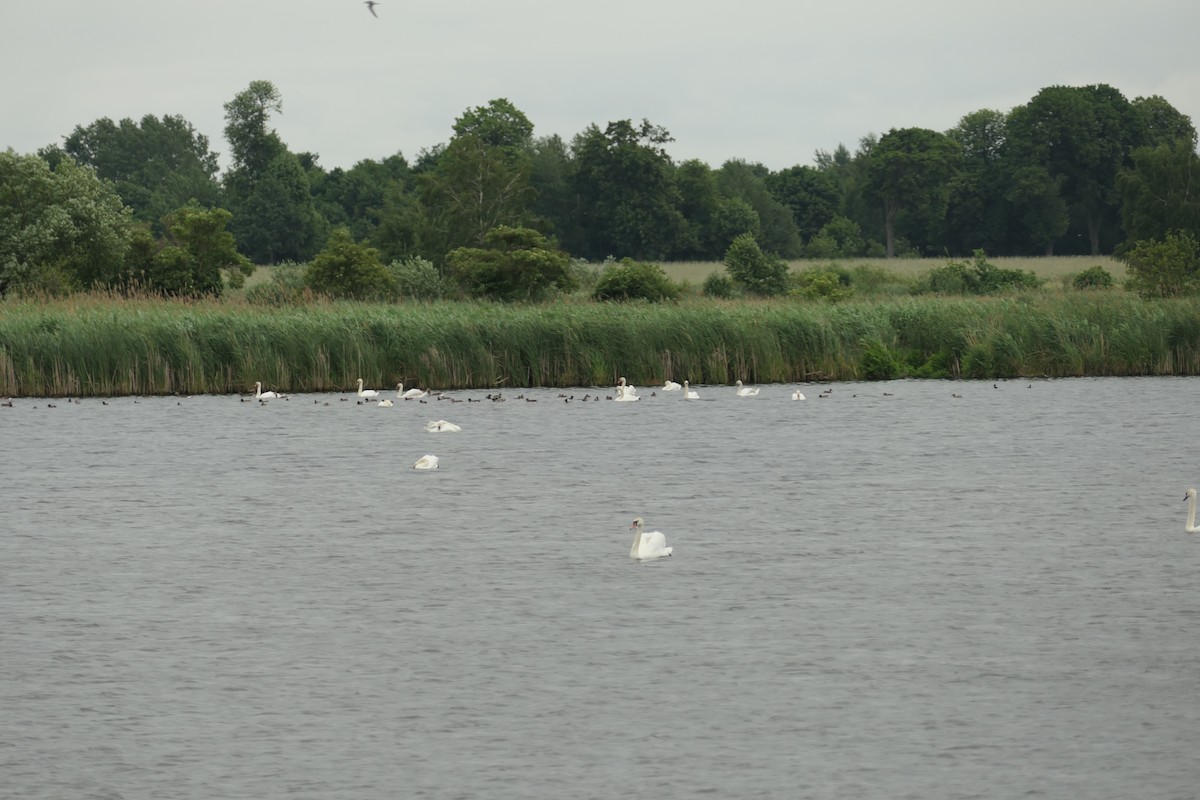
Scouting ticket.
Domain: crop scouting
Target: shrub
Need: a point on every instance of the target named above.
(758, 272)
(417, 279)
(350, 270)
(830, 283)
(878, 363)
(1093, 278)
(517, 264)
(288, 286)
(631, 280)
(718, 284)
(977, 277)
(1167, 268)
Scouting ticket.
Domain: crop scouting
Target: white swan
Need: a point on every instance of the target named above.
(366, 394)
(797, 395)
(426, 461)
(647, 545)
(688, 394)
(442, 426)
(746, 391)
(1191, 523)
(671, 386)
(625, 394)
(385, 403)
(411, 394)
(259, 394)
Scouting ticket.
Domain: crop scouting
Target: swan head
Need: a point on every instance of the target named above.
(738, 384)
(1189, 494)
(637, 523)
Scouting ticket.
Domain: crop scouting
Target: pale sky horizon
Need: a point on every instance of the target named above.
(760, 80)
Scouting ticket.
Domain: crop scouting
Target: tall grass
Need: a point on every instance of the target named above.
(110, 346)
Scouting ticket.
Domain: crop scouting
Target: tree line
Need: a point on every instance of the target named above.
(1076, 170)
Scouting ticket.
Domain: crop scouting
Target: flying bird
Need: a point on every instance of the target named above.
(370, 4)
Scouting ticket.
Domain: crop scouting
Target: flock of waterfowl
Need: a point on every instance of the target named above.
(645, 545)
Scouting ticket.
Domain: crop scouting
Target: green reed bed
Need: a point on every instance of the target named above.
(110, 346)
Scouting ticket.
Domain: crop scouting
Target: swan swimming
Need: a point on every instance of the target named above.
(259, 394)
(366, 393)
(625, 394)
(688, 394)
(647, 545)
(385, 403)
(411, 394)
(1191, 521)
(671, 386)
(797, 395)
(746, 391)
(441, 425)
(426, 461)
(625, 389)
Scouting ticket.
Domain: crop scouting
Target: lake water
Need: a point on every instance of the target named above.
(900, 595)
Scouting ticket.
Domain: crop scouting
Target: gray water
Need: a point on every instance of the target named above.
(907, 595)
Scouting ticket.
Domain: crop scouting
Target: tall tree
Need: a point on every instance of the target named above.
(60, 228)
(851, 173)
(253, 144)
(909, 170)
(268, 191)
(552, 207)
(628, 200)
(977, 212)
(748, 182)
(1160, 193)
(1162, 122)
(156, 165)
(498, 124)
(700, 207)
(1082, 136)
(481, 179)
(809, 193)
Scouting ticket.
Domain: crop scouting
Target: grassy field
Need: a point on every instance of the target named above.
(1052, 268)
(99, 345)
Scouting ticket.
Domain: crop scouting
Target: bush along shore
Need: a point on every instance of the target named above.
(100, 346)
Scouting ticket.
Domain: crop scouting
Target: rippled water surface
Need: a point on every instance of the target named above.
(901, 595)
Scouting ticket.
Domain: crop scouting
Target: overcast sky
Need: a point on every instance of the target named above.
(770, 81)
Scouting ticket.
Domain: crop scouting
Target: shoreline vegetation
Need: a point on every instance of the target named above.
(104, 345)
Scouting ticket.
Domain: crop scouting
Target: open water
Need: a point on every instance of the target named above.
(886, 592)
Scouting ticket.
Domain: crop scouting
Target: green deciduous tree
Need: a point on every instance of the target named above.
(274, 215)
(628, 202)
(59, 228)
(207, 252)
(1161, 191)
(810, 194)
(481, 179)
(155, 165)
(253, 144)
(515, 264)
(776, 231)
(1081, 136)
(909, 170)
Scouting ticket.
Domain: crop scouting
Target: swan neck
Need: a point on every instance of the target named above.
(1191, 521)
(637, 542)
